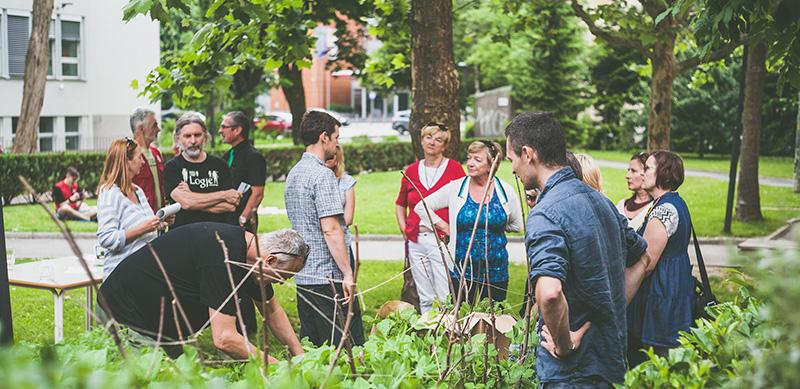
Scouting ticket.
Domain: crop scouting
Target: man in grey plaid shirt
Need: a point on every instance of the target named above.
(315, 210)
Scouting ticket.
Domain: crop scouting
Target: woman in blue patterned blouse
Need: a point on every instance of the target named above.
(463, 197)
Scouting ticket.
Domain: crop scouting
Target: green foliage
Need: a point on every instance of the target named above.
(777, 22)
(544, 56)
(389, 67)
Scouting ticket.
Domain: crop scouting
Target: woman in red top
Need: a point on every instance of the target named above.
(429, 175)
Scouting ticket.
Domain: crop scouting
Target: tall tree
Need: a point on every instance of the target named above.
(434, 78)
(654, 32)
(772, 28)
(36, 60)
(241, 45)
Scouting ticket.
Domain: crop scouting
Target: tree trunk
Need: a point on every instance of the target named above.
(434, 79)
(660, 113)
(748, 202)
(295, 96)
(797, 149)
(36, 60)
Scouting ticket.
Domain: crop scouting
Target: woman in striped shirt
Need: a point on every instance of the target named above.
(125, 220)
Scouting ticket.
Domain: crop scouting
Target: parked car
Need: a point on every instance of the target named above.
(272, 123)
(400, 121)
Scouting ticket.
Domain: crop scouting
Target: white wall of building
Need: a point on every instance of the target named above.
(113, 54)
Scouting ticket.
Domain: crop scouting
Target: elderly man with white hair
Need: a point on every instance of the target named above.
(144, 128)
(196, 265)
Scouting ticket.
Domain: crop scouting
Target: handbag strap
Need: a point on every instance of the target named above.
(701, 265)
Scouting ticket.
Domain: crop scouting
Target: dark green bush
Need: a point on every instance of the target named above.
(43, 170)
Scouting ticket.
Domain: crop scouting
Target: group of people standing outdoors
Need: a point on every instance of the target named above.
(608, 280)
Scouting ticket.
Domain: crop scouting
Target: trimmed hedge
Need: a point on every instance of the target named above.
(45, 169)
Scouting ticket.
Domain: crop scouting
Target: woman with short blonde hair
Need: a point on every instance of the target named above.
(125, 221)
(427, 175)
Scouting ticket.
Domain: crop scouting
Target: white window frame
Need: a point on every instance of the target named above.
(77, 132)
(56, 60)
(3, 44)
(14, 12)
(44, 135)
(61, 59)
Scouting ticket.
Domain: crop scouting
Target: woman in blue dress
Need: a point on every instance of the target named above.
(462, 197)
(663, 305)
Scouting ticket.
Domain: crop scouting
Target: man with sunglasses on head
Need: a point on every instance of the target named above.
(247, 165)
(197, 270)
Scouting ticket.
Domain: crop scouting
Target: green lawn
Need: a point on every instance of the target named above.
(376, 192)
(780, 167)
(32, 309)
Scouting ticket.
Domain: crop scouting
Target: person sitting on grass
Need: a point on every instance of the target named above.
(195, 263)
(68, 199)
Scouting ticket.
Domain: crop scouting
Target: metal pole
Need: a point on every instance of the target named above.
(6, 324)
(735, 146)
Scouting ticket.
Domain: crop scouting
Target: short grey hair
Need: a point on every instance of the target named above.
(285, 241)
(139, 116)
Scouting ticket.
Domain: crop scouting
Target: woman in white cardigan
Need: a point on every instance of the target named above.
(462, 197)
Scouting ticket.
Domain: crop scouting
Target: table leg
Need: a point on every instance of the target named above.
(89, 307)
(58, 315)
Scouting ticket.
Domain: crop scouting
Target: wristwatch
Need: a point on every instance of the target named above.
(242, 220)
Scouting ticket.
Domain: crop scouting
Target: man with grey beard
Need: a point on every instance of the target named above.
(201, 183)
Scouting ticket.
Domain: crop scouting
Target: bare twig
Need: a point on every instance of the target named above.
(112, 328)
(175, 301)
(342, 341)
(435, 233)
(529, 287)
(461, 283)
(235, 295)
(262, 289)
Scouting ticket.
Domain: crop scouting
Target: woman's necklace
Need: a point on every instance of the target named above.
(432, 180)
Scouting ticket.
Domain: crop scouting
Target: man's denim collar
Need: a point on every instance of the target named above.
(313, 157)
(562, 174)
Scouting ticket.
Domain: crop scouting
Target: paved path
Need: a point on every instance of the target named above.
(770, 181)
(717, 252)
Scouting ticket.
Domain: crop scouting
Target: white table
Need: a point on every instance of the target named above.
(65, 273)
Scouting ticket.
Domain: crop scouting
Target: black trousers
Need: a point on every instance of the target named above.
(316, 326)
(480, 290)
(637, 351)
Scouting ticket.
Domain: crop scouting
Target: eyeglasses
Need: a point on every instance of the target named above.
(291, 254)
(227, 126)
(438, 125)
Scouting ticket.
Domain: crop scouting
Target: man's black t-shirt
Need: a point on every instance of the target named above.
(248, 165)
(211, 175)
(194, 261)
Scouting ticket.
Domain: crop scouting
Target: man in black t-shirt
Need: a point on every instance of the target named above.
(247, 165)
(201, 183)
(194, 261)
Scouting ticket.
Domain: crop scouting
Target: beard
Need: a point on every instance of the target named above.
(192, 151)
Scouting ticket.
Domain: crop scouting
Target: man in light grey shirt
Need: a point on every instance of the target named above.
(315, 209)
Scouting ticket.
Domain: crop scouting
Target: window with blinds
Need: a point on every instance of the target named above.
(70, 48)
(18, 32)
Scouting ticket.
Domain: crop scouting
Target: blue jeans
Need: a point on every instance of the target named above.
(578, 383)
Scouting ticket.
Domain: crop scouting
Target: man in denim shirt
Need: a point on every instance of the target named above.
(585, 262)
